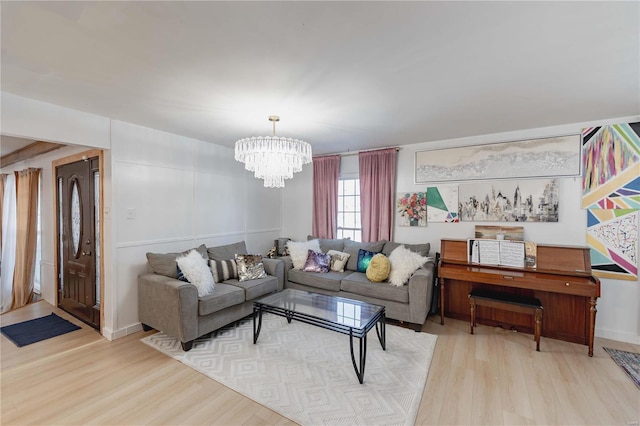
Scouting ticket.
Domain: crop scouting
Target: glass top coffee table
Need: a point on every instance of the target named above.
(340, 314)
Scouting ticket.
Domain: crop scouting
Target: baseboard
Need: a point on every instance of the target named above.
(122, 332)
(616, 335)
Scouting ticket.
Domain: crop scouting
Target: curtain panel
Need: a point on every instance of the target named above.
(377, 192)
(28, 184)
(326, 171)
(8, 243)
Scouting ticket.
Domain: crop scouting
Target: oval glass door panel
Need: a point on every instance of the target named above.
(75, 217)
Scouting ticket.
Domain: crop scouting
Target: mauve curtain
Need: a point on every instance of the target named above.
(28, 183)
(377, 192)
(326, 171)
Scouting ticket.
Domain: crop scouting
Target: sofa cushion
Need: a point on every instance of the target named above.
(317, 262)
(223, 270)
(299, 251)
(358, 283)
(250, 267)
(404, 263)
(196, 270)
(352, 247)
(223, 296)
(329, 281)
(421, 249)
(364, 258)
(379, 268)
(228, 251)
(327, 244)
(256, 288)
(165, 263)
(338, 260)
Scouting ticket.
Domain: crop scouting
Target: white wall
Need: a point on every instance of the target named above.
(618, 308)
(172, 193)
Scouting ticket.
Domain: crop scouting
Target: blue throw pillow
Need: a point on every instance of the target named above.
(364, 258)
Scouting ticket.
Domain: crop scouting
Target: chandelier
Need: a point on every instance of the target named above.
(273, 158)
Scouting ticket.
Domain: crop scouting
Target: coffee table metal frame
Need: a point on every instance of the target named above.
(377, 320)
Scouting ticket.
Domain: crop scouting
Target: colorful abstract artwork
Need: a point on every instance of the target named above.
(534, 200)
(611, 167)
(442, 204)
(612, 236)
(412, 208)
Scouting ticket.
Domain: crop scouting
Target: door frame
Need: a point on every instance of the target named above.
(81, 156)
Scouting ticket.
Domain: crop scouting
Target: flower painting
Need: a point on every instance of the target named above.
(412, 208)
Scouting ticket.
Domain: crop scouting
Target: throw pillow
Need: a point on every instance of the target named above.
(181, 276)
(195, 269)
(338, 260)
(317, 262)
(223, 270)
(352, 248)
(404, 263)
(379, 268)
(250, 267)
(299, 251)
(364, 258)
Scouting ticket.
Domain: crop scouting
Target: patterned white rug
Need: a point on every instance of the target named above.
(305, 373)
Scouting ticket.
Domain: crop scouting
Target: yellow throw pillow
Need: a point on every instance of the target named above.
(379, 268)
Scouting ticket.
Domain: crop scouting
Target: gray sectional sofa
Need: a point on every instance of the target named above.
(173, 306)
(409, 303)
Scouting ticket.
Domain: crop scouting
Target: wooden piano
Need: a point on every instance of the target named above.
(562, 281)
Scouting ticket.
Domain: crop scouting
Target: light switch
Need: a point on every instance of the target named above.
(131, 213)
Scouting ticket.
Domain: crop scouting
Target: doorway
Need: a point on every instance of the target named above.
(78, 201)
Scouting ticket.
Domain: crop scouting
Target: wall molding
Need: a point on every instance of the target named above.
(194, 237)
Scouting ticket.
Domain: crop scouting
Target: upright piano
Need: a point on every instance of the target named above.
(562, 280)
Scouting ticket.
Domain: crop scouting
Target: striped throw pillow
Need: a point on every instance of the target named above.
(223, 270)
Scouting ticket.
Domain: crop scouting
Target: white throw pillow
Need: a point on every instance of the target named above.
(299, 250)
(404, 263)
(194, 267)
(338, 260)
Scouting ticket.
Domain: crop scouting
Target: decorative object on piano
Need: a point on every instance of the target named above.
(611, 164)
(530, 254)
(612, 236)
(554, 156)
(412, 208)
(513, 233)
(510, 201)
(628, 361)
(442, 204)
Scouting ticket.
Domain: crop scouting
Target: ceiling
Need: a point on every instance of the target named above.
(342, 75)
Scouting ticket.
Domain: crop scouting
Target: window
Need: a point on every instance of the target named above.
(349, 225)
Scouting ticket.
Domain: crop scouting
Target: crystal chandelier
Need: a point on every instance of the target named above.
(273, 158)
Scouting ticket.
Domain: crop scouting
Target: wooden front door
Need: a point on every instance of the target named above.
(78, 248)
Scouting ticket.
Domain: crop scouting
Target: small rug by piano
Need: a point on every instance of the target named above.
(32, 331)
(628, 361)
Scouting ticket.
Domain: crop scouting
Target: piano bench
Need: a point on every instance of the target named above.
(507, 302)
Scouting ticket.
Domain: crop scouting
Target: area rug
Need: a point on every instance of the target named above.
(32, 331)
(305, 373)
(628, 361)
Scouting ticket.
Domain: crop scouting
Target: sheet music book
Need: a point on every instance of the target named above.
(497, 252)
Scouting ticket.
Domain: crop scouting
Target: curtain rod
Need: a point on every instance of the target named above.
(348, 154)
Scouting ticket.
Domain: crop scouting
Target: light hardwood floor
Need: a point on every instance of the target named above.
(494, 377)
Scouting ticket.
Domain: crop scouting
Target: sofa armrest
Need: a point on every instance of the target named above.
(421, 290)
(168, 305)
(275, 268)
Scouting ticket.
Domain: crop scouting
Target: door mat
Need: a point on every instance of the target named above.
(32, 331)
(628, 361)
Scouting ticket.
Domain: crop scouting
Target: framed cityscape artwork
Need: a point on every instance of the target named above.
(533, 200)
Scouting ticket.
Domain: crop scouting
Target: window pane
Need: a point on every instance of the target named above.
(358, 221)
(349, 204)
(340, 220)
(357, 236)
(357, 186)
(349, 220)
(340, 187)
(340, 204)
(349, 187)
